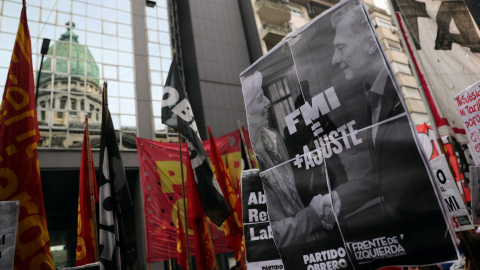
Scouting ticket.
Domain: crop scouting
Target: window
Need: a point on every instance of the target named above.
(394, 45)
(384, 24)
(296, 11)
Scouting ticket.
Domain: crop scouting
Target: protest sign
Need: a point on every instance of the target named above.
(8, 233)
(259, 246)
(468, 102)
(475, 190)
(162, 188)
(456, 211)
(444, 43)
(345, 182)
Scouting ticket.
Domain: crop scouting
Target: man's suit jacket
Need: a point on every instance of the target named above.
(396, 198)
(398, 185)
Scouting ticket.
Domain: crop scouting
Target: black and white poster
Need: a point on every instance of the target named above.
(346, 184)
(475, 189)
(8, 233)
(260, 249)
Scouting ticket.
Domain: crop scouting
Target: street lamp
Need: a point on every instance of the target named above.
(43, 51)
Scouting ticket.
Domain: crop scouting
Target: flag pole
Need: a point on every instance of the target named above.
(92, 192)
(105, 104)
(184, 198)
(245, 148)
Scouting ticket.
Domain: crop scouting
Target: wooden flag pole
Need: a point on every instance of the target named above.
(245, 148)
(184, 199)
(92, 192)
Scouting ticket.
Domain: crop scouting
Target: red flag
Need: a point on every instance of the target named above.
(204, 245)
(233, 224)
(87, 189)
(240, 254)
(182, 258)
(19, 169)
(194, 204)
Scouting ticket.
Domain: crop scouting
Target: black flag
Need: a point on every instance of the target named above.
(177, 113)
(114, 195)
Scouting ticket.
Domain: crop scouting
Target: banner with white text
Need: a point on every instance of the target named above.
(346, 184)
(260, 249)
(457, 213)
(8, 233)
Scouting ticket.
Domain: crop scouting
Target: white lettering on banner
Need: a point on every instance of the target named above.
(326, 145)
(172, 98)
(184, 111)
(310, 113)
(252, 198)
(378, 248)
(263, 234)
(326, 260)
(257, 216)
(272, 267)
(457, 213)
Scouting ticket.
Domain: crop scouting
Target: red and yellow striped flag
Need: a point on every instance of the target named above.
(233, 224)
(19, 168)
(86, 244)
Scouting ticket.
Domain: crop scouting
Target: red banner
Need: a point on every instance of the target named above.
(162, 191)
(19, 169)
(233, 224)
(182, 258)
(87, 188)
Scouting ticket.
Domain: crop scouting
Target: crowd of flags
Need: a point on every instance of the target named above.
(103, 240)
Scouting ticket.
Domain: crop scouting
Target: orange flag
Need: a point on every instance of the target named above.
(86, 219)
(182, 258)
(233, 224)
(19, 168)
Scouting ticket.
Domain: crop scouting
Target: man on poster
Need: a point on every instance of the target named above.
(395, 196)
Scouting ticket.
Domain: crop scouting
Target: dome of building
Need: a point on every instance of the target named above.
(77, 60)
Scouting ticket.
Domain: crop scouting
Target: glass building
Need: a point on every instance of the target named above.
(129, 44)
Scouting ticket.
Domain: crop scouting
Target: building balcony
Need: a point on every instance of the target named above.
(316, 8)
(272, 34)
(273, 11)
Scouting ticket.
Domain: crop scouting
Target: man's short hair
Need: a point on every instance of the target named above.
(352, 10)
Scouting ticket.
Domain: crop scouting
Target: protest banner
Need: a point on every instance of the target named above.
(444, 43)
(468, 102)
(345, 182)
(8, 233)
(456, 211)
(162, 191)
(260, 248)
(475, 190)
